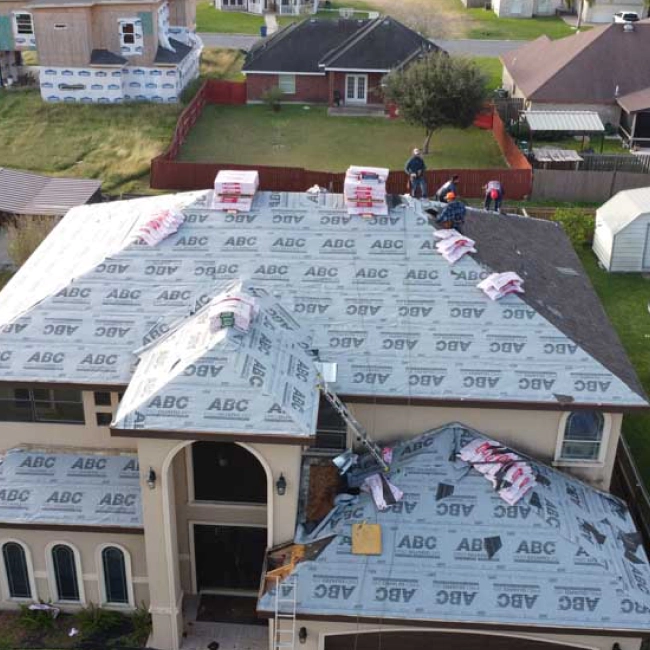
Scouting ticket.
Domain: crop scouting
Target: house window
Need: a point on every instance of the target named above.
(114, 570)
(583, 436)
(287, 83)
(130, 36)
(102, 398)
(16, 569)
(24, 24)
(331, 430)
(103, 419)
(66, 578)
(41, 405)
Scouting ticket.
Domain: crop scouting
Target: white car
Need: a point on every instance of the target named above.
(626, 17)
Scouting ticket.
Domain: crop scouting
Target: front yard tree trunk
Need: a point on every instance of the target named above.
(427, 141)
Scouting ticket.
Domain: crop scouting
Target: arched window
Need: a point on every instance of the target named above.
(583, 435)
(116, 585)
(16, 569)
(64, 568)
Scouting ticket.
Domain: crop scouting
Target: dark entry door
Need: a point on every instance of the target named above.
(228, 557)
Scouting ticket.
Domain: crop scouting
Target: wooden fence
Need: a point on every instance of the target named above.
(167, 173)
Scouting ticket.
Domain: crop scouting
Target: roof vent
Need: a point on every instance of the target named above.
(628, 27)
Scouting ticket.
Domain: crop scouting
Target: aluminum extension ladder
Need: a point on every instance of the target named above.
(361, 434)
(284, 627)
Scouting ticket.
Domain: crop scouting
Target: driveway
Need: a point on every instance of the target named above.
(460, 46)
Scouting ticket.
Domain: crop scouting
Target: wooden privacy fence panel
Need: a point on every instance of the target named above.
(510, 150)
(225, 92)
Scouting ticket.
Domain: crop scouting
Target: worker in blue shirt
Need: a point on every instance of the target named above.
(450, 186)
(453, 214)
(415, 168)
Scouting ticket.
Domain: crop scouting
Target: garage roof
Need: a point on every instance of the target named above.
(565, 556)
(70, 489)
(27, 193)
(569, 121)
(373, 295)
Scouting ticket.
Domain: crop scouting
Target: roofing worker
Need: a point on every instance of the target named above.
(453, 214)
(493, 192)
(415, 168)
(450, 186)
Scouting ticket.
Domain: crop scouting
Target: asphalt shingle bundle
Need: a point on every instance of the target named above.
(234, 190)
(365, 191)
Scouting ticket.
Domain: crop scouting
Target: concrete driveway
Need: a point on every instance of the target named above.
(461, 46)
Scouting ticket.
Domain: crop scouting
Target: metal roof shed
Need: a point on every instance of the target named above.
(572, 122)
(33, 194)
(622, 237)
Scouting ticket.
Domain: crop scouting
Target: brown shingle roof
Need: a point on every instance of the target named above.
(583, 68)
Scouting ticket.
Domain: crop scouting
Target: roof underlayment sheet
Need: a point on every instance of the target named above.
(571, 121)
(37, 487)
(566, 555)
(372, 295)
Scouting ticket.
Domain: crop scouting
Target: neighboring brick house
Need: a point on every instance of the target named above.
(105, 51)
(604, 69)
(332, 61)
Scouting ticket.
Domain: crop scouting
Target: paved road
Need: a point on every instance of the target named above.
(464, 46)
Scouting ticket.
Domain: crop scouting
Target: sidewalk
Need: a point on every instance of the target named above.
(271, 24)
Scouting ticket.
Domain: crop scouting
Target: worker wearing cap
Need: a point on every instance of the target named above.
(450, 186)
(415, 168)
(493, 192)
(453, 214)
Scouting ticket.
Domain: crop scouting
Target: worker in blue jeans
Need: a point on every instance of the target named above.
(415, 168)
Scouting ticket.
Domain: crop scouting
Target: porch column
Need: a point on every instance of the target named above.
(633, 130)
(161, 543)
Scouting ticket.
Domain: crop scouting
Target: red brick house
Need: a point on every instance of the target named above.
(332, 61)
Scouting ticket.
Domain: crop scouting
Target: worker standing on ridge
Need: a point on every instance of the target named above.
(493, 192)
(450, 186)
(453, 214)
(415, 168)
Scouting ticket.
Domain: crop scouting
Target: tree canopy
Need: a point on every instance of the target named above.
(438, 91)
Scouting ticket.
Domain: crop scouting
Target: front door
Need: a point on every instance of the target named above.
(228, 558)
(646, 251)
(356, 89)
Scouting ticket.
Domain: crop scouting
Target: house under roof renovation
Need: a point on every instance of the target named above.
(259, 368)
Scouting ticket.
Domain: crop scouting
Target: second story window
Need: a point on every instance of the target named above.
(130, 36)
(41, 405)
(583, 436)
(23, 24)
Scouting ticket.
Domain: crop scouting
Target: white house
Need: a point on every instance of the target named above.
(622, 238)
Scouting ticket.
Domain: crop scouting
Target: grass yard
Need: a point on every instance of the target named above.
(209, 19)
(625, 297)
(486, 24)
(295, 137)
(492, 69)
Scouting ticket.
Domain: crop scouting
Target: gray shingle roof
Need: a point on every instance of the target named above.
(167, 57)
(106, 57)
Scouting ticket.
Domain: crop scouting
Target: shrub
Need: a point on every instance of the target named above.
(578, 225)
(35, 622)
(141, 620)
(25, 235)
(272, 98)
(94, 621)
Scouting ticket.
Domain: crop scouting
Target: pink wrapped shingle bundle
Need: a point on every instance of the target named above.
(235, 311)
(235, 182)
(498, 285)
(234, 190)
(365, 191)
(452, 245)
(161, 225)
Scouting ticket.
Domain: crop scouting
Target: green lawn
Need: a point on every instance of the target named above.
(492, 69)
(295, 137)
(486, 24)
(209, 19)
(625, 297)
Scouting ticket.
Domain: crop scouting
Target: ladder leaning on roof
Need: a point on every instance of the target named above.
(360, 432)
(284, 624)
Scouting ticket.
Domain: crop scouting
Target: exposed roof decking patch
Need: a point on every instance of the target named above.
(372, 294)
(565, 556)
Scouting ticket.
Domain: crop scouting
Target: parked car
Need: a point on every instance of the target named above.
(626, 17)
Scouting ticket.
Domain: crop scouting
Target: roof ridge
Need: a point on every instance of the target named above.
(272, 41)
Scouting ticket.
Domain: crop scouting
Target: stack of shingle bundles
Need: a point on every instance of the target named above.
(452, 245)
(365, 191)
(498, 285)
(234, 190)
(161, 225)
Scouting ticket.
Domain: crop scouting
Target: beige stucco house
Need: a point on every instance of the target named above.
(154, 449)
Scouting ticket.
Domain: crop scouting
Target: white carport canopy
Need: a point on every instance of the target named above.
(567, 121)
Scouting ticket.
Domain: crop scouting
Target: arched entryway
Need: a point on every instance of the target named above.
(426, 639)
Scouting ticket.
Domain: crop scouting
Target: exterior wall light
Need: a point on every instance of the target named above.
(281, 485)
(151, 478)
(302, 635)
